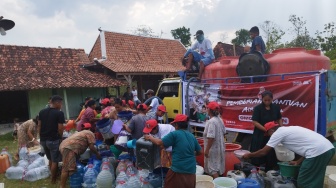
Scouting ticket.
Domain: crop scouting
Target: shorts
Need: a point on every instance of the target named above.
(69, 161)
(198, 58)
(51, 149)
(15, 133)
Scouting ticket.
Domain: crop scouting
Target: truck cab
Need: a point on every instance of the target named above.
(170, 92)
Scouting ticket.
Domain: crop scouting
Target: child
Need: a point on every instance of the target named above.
(16, 127)
(202, 116)
(98, 110)
(257, 42)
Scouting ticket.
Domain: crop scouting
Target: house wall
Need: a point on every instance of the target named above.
(71, 103)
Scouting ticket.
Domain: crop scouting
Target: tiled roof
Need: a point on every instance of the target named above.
(139, 55)
(23, 68)
(223, 49)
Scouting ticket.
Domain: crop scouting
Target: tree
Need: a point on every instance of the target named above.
(242, 37)
(302, 39)
(183, 34)
(145, 31)
(327, 38)
(273, 35)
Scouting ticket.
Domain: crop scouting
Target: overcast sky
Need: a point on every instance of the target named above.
(75, 23)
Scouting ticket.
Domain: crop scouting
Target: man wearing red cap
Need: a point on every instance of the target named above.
(160, 112)
(185, 145)
(315, 149)
(159, 131)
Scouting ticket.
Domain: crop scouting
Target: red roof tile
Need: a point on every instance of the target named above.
(136, 54)
(23, 68)
(223, 49)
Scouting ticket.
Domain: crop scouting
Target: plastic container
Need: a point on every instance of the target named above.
(14, 172)
(329, 170)
(155, 180)
(144, 183)
(121, 142)
(225, 182)
(283, 154)
(37, 173)
(39, 162)
(273, 175)
(331, 180)
(256, 176)
(76, 179)
(23, 153)
(248, 183)
(199, 170)
(230, 157)
(287, 170)
(117, 126)
(105, 179)
(133, 181)
(200, 158)
(122, 177)
(247, 167)
(104, 127)
(236, 174)
(4, 163)
(121, 184)
(90, 177)
(205, 184)
(283, 184)
(33, 156)
(203, 178)
(86, 155)
(131, 143)
(125, 116)
(148, 154)
(23, 163)
(5, 151)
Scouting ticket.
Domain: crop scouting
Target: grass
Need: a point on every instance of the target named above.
(7, 141)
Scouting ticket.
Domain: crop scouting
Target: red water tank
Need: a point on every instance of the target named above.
(287, 60)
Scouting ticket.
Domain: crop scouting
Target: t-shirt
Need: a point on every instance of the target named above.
(137, 124)
(184, 146)
(135, 95)
(154, 104)
(164, 129)
(50, 118)
(258, 41)
(300, 140)
(78, 142)
(86, 117)
(128, 96)
(203, 48)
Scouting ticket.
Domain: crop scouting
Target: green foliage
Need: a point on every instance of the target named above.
(333, 64)
(242, 37)
(183, 34)
(302, 38)
(273, 35)
(331, 54)
(327, 37)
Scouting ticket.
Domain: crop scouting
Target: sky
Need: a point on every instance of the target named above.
(75, 23)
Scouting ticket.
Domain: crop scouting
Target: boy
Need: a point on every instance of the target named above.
(257, 42)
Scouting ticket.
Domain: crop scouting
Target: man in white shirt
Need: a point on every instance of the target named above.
(135, 96)
(152, 108)
(316, 151)
(159, 131)
(203, 57)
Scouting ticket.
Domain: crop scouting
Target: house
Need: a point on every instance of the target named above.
(223, 49)
(30, 75)
(142, 59)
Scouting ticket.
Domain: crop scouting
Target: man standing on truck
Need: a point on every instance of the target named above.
(152, 107)
(161, 110)
(316, 151)
(203, 57)
(258, 43)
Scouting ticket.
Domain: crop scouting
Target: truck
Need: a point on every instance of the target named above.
(300, 80)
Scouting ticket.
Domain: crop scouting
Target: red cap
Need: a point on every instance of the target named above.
(105, 101)
(180, 118)
(87, 125)
(270, 125)
(144, 106)
(149, 126)
(162, 108)
(131, 104)
(123, 102)
(213, 105)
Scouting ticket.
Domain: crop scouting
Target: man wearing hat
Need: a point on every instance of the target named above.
(159, 131)
(203, 57)
(154, 102)
(185, 146)
(160, 112)
(72, 147)
(315, 149)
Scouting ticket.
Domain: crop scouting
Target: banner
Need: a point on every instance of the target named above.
(298, 100)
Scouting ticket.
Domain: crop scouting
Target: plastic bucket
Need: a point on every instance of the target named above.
(203, 178)
(117, 126)
(125, 115)
(283, 154)
(288, 170)
(224, 182)
(205, 184)
(103, 123)
(131, 143)
(329, 170)
(199, 170)
(230, 157)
